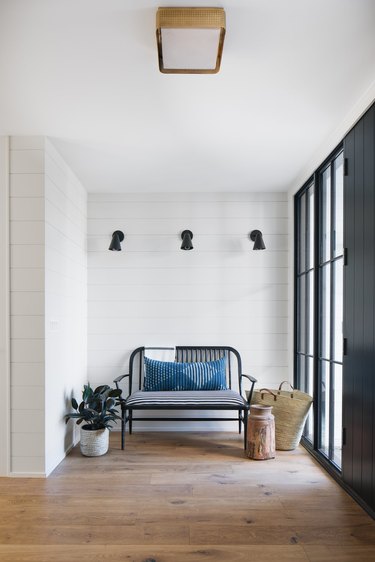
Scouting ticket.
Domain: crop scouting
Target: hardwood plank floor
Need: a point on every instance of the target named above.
(183, 497)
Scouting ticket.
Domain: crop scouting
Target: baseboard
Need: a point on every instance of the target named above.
(66, 453)
(27, 475)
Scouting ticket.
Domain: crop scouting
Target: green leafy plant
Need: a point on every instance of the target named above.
(97, 409)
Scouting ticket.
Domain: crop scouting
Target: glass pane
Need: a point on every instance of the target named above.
(325, 252)
(326, 311)
(310, 313)
(338, 227)
(325, 409)
(309, 427)
(310, 229)
(338, 292)
(302, 234)
(301, 372)
(337, 405)
(301, 314)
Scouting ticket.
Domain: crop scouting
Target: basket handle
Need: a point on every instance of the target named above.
(287, 382)
(264, 390)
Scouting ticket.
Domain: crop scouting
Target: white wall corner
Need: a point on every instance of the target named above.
(65, 300)
(4, 309)
(334, 138)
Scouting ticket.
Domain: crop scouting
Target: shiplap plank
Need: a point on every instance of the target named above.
(26, 161)
(177, 258)
(236, 308)
(22, 208)
(145, 291)
(189, 274)
(184, 210)
(27, 327)
(27, 232)
(113, 330)
(27, 255)
(27, 374)
(27, 279)
(119, 357)
(26, 185)
(171, 225)
(26, 142)
(236, 245)
(240, 196)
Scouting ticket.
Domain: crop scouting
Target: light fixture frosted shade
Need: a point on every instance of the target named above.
(117, 238)
(186, 237)
(257, 237)
(190, 40)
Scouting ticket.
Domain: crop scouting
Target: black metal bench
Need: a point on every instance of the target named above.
(223, 400)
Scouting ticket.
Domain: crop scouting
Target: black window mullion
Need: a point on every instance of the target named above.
(332, 320)
(317, 373)
(307, 286)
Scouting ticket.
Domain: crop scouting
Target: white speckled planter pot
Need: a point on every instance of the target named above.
(94, 443)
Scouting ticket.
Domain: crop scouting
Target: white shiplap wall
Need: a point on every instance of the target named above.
(65, 300)
(27, 305)
(48, 302)
(221, 293)
(4, 309)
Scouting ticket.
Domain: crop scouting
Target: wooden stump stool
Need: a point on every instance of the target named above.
(261, 433)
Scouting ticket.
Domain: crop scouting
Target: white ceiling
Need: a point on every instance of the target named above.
(85, 73)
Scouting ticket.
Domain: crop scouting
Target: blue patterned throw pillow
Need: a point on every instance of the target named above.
(163, 375)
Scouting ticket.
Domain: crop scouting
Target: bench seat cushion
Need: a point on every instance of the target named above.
(187, 399)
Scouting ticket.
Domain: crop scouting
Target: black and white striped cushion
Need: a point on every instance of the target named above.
(187, 399)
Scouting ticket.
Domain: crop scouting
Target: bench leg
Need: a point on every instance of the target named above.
(123, 422)
(130, 422)
(245, 416)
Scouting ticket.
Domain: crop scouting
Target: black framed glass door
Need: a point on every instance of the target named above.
(305, 288)
(319, 259)
(330, 274)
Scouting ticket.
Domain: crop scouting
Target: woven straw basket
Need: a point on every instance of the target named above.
(290, 410)
(94, 443)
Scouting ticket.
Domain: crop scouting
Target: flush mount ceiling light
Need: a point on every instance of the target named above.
(190, 40)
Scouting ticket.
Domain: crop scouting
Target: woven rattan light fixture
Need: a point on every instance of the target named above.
(190, 40)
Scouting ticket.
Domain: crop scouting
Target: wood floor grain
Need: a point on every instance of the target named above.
(183, 497)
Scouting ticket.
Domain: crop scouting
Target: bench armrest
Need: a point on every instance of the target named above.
(253, 381)
(118, 379)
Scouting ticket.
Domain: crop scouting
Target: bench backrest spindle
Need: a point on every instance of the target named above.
(191, 354)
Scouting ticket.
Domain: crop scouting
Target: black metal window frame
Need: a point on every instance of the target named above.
(315, 182)
(304, 272)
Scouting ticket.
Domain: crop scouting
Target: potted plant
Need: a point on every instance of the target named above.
(96, 412)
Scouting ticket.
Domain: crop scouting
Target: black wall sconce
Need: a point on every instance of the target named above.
(257, 237)
(117, 238)
(186, 237)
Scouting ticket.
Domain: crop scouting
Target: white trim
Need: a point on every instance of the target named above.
(336, 136)
(27, 474)
(4, 309)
